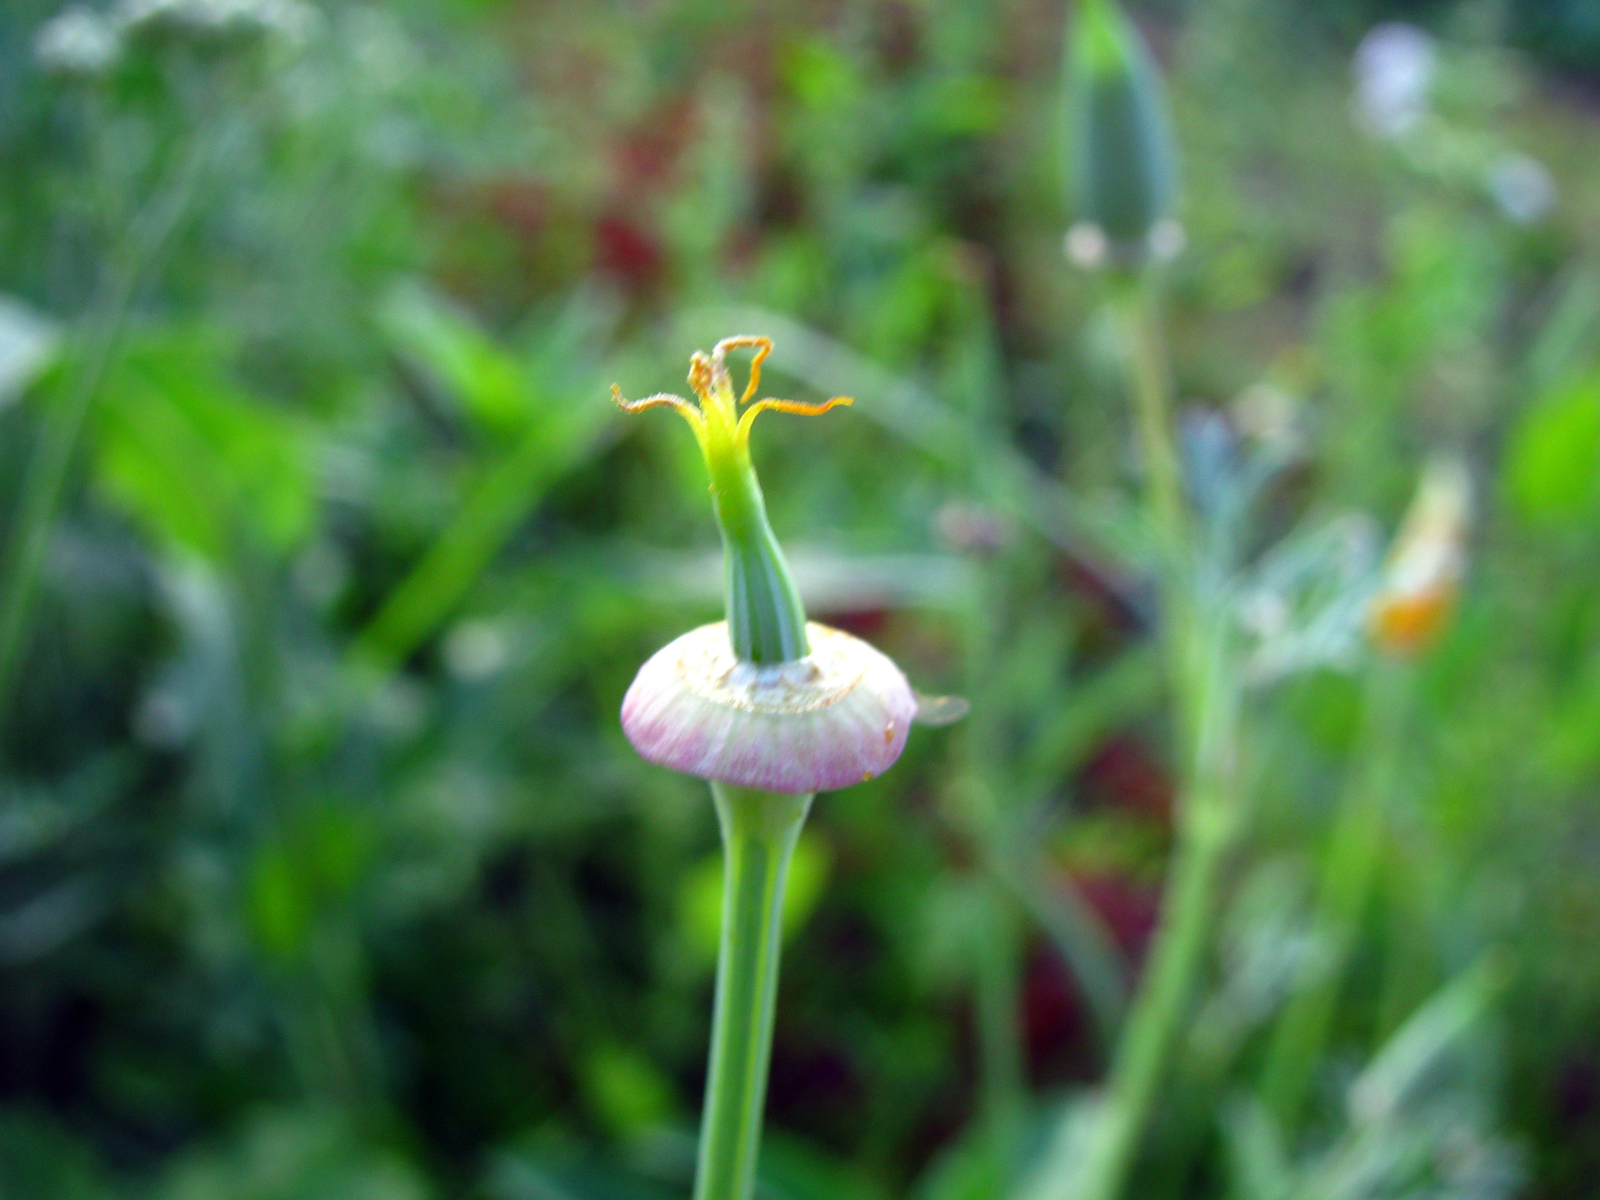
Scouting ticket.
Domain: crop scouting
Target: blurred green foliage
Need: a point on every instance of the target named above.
(324, 867)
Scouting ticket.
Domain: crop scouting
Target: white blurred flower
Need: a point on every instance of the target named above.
(29, 343)
(288, 20)
(1086, 246)
(75, 42)
(1522, 187)
(1394, 66)
(477, 649)
(1271, 416)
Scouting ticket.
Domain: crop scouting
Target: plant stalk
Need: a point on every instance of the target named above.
(1146, 1042)
(1354, 846)
(759, 831)
(996, 948)
(1151, 386)
(1207, 707)
(62, 425)
(998, 966)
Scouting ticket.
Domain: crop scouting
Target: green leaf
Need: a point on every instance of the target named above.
(700, 901)
(302, 1155)
(310, 865)
(278, 903)
(1552, 470)
(193, 457)
(627, 1091)
(435, 337)
(39, 1158)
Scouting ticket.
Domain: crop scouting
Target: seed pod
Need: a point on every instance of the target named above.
(1122, 167)
(765, 699)
(838, 716)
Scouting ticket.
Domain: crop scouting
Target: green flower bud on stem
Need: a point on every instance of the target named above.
(1122, 165)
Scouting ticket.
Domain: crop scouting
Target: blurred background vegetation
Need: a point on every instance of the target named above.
(324, 868)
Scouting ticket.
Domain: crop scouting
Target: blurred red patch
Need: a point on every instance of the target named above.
(866, 624)
(1122, 774)
(1055, 1019)
(627, 253)
(1128, 910)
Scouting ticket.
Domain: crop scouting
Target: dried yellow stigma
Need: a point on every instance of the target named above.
(718, 424)
(766, 621)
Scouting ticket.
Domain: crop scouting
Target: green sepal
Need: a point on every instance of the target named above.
(766, 619)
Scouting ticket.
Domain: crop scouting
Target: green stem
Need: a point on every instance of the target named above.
(759, 830)
(997, 959)
(1354, 846)
(49, 466)
(1190, 646)
(1207, 814)
(1078, 933)
(1146, 1042)
(1407, 965)
(996, 947)
(1152, 389)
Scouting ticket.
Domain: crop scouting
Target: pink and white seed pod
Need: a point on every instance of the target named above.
(835, 717)
(764, 700)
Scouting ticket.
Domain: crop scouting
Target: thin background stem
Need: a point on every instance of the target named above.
(1207, 706)
(1349, 864)
(63, 423)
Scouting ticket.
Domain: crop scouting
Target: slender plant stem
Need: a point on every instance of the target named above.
(48, 468)
(1152, 390)
(1207, 712)
(1207, 818)
(759, 830)
(1077, 932)
(1145, 1045)
(996, 952)
(997, 962)
(1354, 846)
(1407, 966)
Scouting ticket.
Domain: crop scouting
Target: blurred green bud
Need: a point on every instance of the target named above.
(1122, 167)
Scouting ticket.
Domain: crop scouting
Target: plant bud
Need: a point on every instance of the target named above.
(838, 716)
(1423, 573)
(1123, 172)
